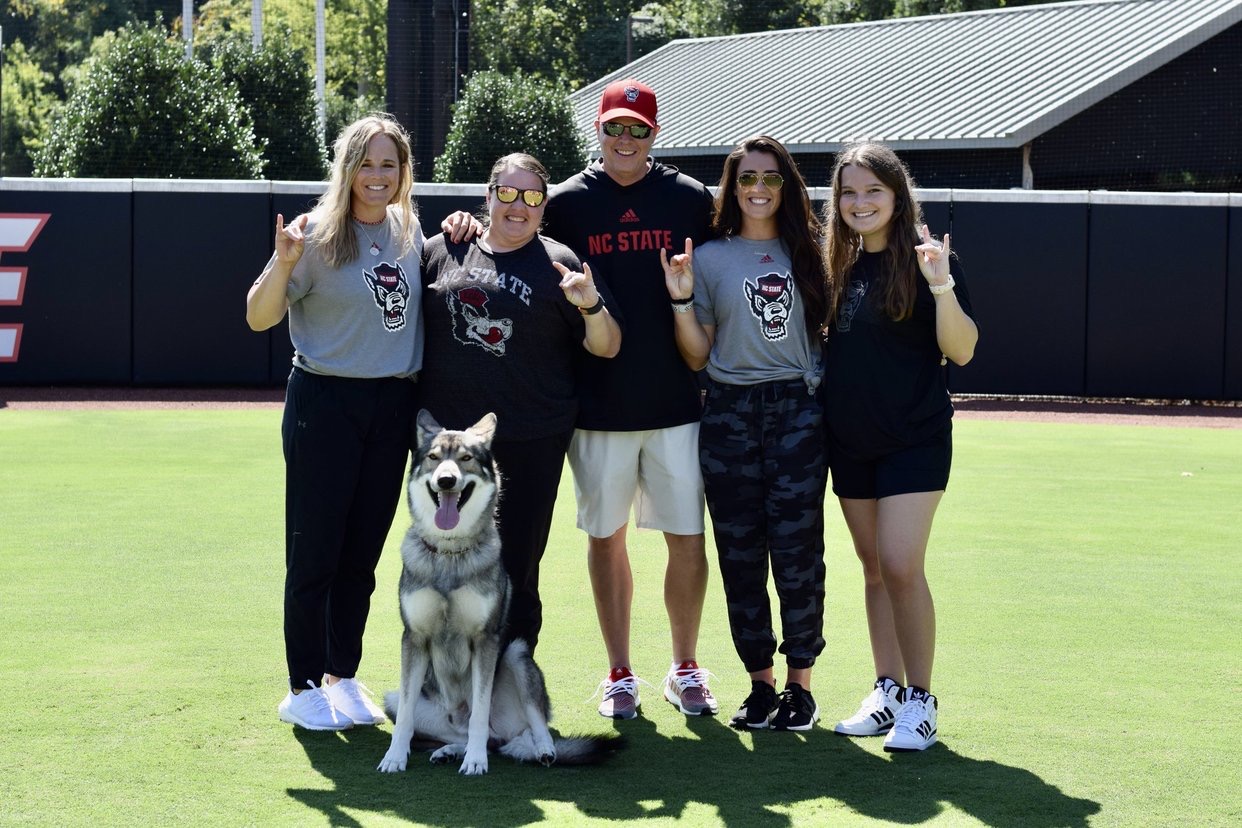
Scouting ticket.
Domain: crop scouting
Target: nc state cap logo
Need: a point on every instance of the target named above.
(631, 93)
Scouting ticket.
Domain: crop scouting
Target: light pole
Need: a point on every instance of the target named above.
(256, 24)
(187, 27)
(1, 102)
(630, 20)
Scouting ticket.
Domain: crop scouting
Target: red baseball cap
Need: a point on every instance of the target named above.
(628, 98)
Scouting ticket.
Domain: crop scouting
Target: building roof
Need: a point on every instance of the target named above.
(985, 79)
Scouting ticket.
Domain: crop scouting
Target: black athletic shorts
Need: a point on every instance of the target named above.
(921, 468)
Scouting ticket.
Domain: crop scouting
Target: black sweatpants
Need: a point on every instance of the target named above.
(761, 448)
(530, 472)
(346, 444)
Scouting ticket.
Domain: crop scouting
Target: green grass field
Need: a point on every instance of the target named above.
(1088, 593)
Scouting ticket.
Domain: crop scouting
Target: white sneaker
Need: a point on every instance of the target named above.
(312, 710)
(915, 728)
(351, 699)
(877, 712)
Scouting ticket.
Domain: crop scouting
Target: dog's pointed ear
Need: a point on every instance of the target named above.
(485, 428)
(427, 425)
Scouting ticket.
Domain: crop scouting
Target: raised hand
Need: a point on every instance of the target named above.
(933, 257)
(290, 240)
(679, 272)
(579, 288)
(461, 226)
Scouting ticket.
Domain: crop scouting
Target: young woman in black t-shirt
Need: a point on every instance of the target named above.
(902, 308)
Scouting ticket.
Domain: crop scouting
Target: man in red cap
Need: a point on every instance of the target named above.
(636, 441)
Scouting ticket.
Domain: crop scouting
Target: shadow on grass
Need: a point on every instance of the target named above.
(744, 780)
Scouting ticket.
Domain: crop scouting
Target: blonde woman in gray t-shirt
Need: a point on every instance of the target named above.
(750, 308)
(347, 274)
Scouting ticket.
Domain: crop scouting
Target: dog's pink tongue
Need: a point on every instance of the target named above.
(447, 515)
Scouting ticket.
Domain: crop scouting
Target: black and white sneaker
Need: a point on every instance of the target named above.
(915, 728)
(757, 711)
(797, 710)
(877, 712)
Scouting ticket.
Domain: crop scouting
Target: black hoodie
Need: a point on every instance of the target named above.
(619, 231)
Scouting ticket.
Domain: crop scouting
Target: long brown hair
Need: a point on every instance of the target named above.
(334, 233)
(795, 220)
(897, 285)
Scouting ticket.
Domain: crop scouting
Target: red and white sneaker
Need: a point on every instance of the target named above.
(685, 687)
(620, 694)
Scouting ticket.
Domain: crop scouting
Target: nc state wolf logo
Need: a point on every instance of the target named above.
(472, 325)
(392, 293)
(771, 298)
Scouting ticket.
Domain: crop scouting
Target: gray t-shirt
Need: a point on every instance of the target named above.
(363, 320)
(746, 289)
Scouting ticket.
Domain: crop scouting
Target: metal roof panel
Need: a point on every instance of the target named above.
(995, 78)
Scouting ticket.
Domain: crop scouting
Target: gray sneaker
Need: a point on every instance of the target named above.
(685, 687)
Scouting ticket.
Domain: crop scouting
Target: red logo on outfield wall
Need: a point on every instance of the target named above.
(17, 233)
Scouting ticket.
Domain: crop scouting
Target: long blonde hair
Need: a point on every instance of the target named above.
(897, 285)
(334, 233)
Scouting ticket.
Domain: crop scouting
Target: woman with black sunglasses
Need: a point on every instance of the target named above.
(505, 314)
(750, 306)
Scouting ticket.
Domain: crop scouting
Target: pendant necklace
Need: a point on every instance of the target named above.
(375, 248)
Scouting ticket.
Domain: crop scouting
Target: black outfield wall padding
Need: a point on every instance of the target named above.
(1233, 313)
(196, 246)
(1076, 293)
(72, 303)
(1156, 310)
(1025, 259)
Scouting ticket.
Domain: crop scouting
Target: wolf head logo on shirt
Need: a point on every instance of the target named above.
(391, 291)
(771, 299)
(854, 294)
(472, 323)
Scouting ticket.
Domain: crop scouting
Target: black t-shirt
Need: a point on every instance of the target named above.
(501, 337)
(884, 386)
(619, 231)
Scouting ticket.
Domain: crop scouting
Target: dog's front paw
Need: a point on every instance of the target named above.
(448, 753)
(545, 750)
(394, 761)
(473, 766)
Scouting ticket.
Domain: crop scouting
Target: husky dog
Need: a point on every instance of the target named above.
(457, 686)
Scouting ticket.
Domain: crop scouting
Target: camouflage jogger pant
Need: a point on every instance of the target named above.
(762, 451)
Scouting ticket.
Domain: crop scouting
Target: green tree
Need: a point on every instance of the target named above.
(564, 41)
(28, 106)
(142, 110)
(355, 47)
(279, 94)
(499, 114)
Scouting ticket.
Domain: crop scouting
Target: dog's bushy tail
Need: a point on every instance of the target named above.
(570, 750)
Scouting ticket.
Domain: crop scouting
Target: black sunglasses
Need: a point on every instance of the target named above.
(615, 130)
(508, 195)
(772, 181)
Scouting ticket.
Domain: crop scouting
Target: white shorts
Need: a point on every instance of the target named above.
(656, 471)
